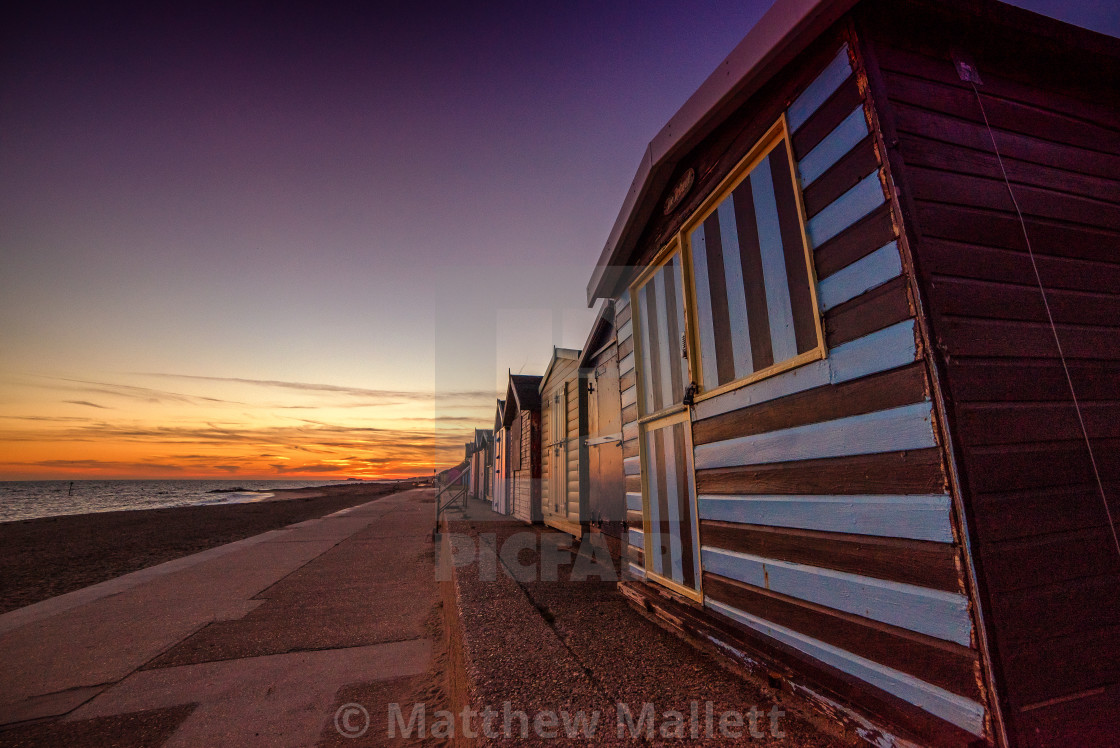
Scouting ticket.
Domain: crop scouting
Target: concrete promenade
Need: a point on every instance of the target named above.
(251, 643)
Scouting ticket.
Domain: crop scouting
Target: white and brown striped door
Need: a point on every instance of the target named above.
(665, 461)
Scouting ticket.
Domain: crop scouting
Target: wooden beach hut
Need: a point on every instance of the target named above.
(482, 459)
(871, 270)
(498, 476)
(603, 450)
(563, 463)
(522, 420)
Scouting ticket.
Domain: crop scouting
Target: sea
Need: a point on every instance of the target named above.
(49, 498)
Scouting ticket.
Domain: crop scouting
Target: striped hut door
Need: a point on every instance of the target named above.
(668, 485)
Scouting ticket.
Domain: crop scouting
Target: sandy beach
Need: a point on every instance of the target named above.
(41, 558)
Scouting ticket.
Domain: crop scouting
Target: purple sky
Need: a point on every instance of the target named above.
(287, 193)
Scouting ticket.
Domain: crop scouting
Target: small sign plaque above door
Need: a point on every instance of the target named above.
(684, 184)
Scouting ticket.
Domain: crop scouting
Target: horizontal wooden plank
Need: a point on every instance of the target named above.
(917, 562)
(1065, 666)
(1015, 423)
(953, 259)
(1012, 467)
(1002, 114)
(826, 117)
(846, 210)
(904, 427)
(940, 69)
(1033, 512)
(1073, 162)
(1014, 301)
(634, 517)
(625, 349)
(972, 225)
(948, 157)
(631, 466)
(851, 130)
(903, 386)
(628, 380)
(625, 361)
(983, 192)
(866, 273)
(881, 350)
(948, 666)
(634, 502)
(1062, 609)
(636, 538)
(910, 472)
(625, 331)
(914, 517)
(633, 483)
(818, 91)
(630, 448)
(879, 308)
(846, 173)
(630, 413)
(942, 615)
(963, 336)
(1050, 557)
(965, 713)
(629, 396)
(858, 240)
(1003, 380)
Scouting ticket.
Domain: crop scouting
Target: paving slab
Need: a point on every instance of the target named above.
(330, 595)
(276, 700)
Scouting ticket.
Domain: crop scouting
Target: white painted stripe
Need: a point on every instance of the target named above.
(626, 365)
(817, 92)
(862, 275)
(892, 430)
(634, 502)
(637, 538)
(666, 345)
(778, 305)
(626, 331)
(630, 431)
(835, 146)
(917, 517)
(736, 292)
(940, 614)
(646, 321)
(682, 361)
(957, 710)
(632, 466)
(652, 488)
(846, 210)
(629, 396)
(706, 324)
(881, 350)
(672, 502)
(637, 571)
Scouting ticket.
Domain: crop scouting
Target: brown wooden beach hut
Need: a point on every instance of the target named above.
(563, 462)
(482, 463)
(598, 366)
(872, 270)
(522, 420)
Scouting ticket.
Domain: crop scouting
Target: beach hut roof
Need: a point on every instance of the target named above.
(779, 36)
(568, 354)
(522, 394)
(498, 417)
(601, 331)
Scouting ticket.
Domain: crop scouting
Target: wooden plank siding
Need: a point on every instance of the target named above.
(826, 523)
(1045, 558)
(627, 378)
(561, 394)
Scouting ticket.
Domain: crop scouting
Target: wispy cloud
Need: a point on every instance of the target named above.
(131, 392)
(379, 396)
(87, 403)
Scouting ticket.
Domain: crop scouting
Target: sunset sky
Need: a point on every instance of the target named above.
(283, 241)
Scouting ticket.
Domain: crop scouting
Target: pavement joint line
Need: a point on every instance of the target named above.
(52, 606)
(297, 650)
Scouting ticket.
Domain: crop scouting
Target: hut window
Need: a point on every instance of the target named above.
(755, 306)
(662, 365)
